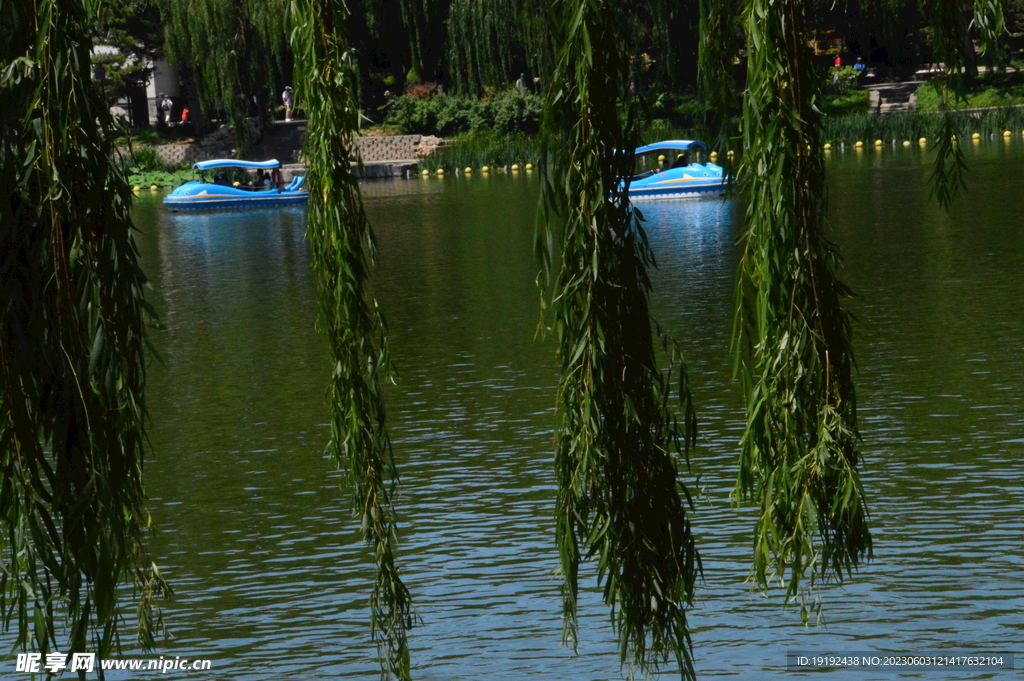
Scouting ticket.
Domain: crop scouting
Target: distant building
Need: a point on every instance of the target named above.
(138, 106)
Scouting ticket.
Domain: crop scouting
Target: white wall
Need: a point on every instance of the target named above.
(165, 80)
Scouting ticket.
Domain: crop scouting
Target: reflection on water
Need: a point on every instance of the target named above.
(257, 538)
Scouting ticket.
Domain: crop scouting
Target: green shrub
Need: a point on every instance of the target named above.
(842, 80)
(145, 159)
(145, 167)
(846, 103)
(445, 115)
(676, 109)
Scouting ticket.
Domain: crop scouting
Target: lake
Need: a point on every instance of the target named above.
(255, 529)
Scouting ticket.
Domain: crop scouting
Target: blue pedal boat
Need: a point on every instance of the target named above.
(680, 175)
(200, 194)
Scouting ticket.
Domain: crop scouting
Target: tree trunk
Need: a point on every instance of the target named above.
(970, 56)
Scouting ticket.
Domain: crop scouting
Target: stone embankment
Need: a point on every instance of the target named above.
(383, 157)
(394, 156)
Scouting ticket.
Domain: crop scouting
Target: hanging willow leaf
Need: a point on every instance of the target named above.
(990, 22)
(72, 361)
(716, 52)
(343, 247)
(949, 34)
(619, 499)
(798, 461)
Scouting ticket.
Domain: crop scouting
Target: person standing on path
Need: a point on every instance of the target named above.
(286, 98)
(163, 110)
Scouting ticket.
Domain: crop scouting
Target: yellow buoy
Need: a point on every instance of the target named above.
(878, 143)
(529, 166)
(153, 187)
(424, 172)
(661, 158)
(515, 166)
(976, 136)
(467, 170)
(827, 146)
(136, 189)
(1007, 133)
(713, 155)
(923, 141)
(906, 143)
(235, 184)
(440, 171)
(858, 144)
(485, 169)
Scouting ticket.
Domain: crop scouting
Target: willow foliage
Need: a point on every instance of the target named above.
(619, 498)
(485, 42)
(949, 34)
(489, 42)
(798, 459)
(950, 38)
(343, 248)
(424, 22)
(717, 49)
(234, 49)
(990, 22)
(72, 360)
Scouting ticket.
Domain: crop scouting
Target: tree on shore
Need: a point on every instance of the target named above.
(132, 30)
(232, 56)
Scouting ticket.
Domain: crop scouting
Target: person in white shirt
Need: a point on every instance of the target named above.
(163, 110)
(286, 98)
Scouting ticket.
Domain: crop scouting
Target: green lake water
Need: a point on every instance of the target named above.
(256, 533)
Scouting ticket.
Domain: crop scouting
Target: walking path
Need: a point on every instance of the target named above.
(893, 98)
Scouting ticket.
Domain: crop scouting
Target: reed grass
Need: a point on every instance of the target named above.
(477, 150)
(912, 126)
(497, 150)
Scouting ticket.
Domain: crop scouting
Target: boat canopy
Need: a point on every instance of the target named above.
(235, 163)
(671, 145)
